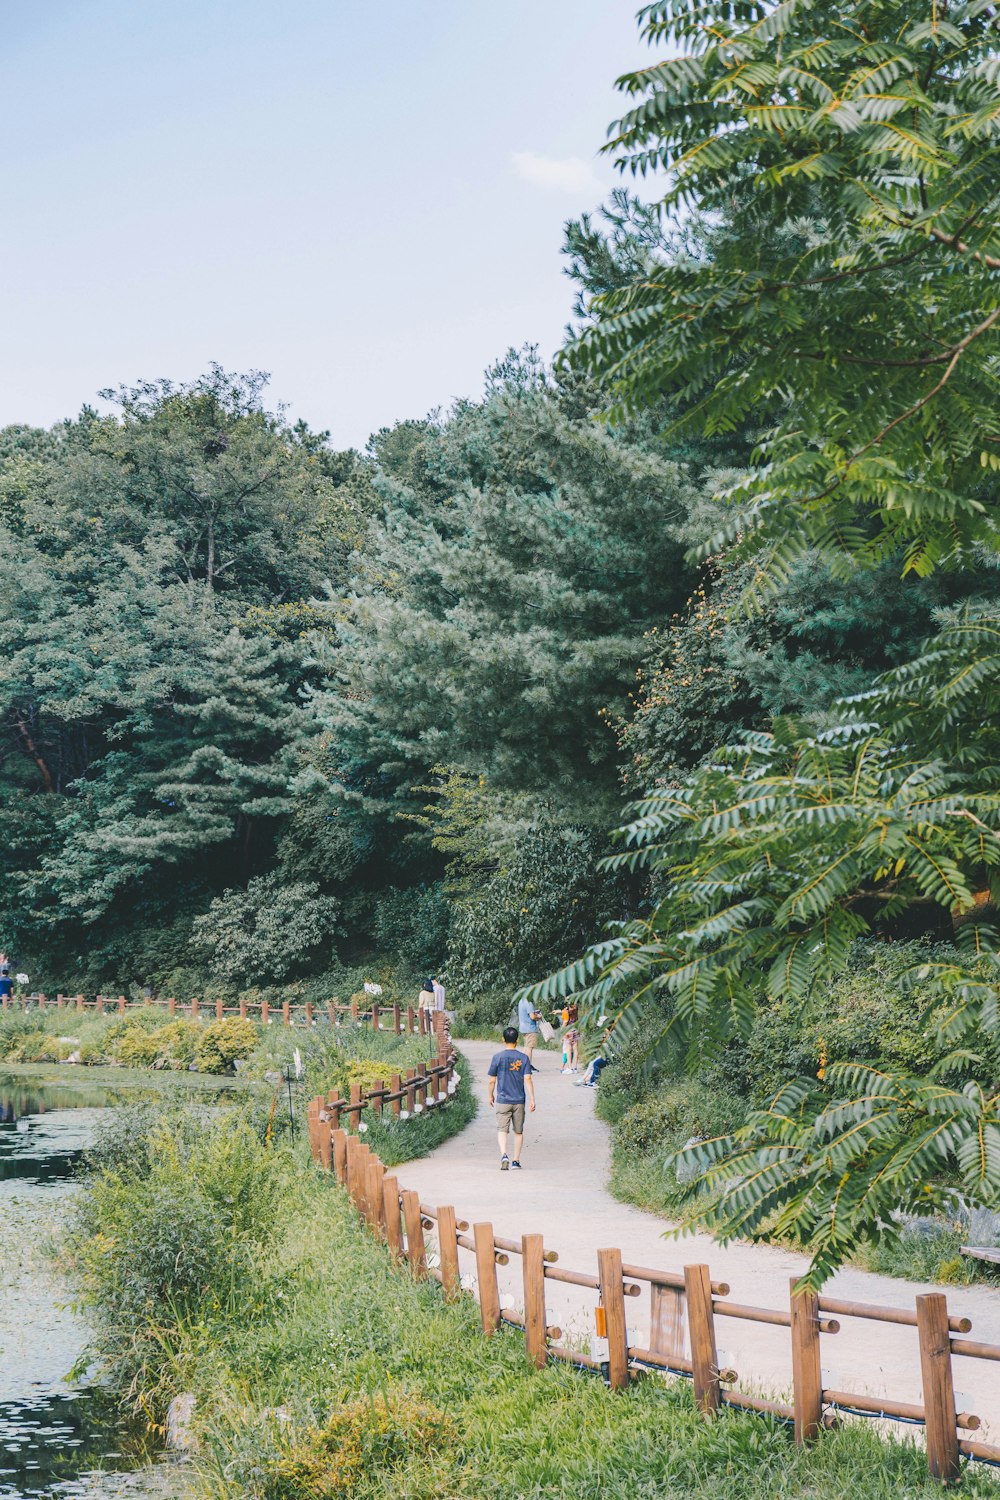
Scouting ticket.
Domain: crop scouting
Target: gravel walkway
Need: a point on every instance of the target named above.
(561, 1194)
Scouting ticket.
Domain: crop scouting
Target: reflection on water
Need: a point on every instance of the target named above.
(44, 1131)
(54, 1433)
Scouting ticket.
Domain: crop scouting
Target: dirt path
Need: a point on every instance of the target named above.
(561, 1194)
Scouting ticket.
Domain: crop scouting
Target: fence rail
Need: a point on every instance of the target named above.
(684, 1307)
(406, 1020)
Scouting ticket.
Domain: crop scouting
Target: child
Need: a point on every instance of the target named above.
(571, 1050)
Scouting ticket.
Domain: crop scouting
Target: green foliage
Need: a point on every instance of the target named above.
(538, 904)
(369, 1440)
(787, 846)
(499, 608)
(266, 930)
(414, 924)
(850, 297)
(224, 1042)
(176, 1044)
(362, 1359)
(175, 1233)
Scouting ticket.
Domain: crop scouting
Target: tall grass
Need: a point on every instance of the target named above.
(321, 1371)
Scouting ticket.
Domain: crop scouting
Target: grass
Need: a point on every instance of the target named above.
(321, 1371)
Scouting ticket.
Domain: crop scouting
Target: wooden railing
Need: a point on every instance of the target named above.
(678, 1299)
(403, 1020)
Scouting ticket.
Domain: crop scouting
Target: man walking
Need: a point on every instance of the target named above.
(511, 1084)
(527, 1024)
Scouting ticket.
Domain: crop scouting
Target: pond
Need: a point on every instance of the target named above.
(58, 1435)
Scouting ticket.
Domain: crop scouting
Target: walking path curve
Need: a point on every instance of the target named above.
(561, 1194)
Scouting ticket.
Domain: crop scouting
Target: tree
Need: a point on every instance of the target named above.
(852, 151)
(501, 601)
(152, 655)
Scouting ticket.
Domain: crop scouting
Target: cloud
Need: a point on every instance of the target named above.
(568, 174)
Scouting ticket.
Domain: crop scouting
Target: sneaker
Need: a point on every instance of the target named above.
(504, 1163)
(516, 1164)
(566, 1070)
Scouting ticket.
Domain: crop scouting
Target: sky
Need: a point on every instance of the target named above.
(364, 199)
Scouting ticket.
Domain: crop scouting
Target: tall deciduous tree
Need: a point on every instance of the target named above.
(852, 149)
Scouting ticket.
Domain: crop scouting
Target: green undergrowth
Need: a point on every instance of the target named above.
(647, 1134)
(216, 1263)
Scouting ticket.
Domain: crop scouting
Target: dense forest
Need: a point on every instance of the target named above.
(273, 711)
(724, 577)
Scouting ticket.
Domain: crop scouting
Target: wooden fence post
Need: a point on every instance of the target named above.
(99, 1005)
(41, 1001)
(79, 1002)
(121, 1004)
(807, 1378)
(396, 1019)
(390, 1215)
(666, 1320)
(448, 1250)
(309, 1013)
(411, 1091)
(313, 1122)
(339, 1141)
(60, 1002)
(701, 1328)
(486, 1276)
(286, 1013)
(243, 1009)
(352, 1160)
(396, 1086)
(333, 1104)
(609, 1274)
(375, 1098)
(354, 1113)
(325, 1141)
(409, 1019)
(375, 1180)
(194, 1009)
(331, 1011)
(264, 1008)
(416, 1252)
(375, 1015)
(354, 1007)
(172, 1005)
(533, 1269)
(939, 1389)
(219, 1010)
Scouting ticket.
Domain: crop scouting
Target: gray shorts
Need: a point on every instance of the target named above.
(511, 1117)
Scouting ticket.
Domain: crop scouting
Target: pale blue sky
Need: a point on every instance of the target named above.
(364, 198)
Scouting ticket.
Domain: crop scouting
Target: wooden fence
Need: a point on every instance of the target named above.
(684, 1306)
(403, 1020)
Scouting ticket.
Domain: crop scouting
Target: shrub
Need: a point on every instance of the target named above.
(223, 1042)
(414, 924)
(172, 1228)
(868, 1014)
(265, 931)
(368, 1439)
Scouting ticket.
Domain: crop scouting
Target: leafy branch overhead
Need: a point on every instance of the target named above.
(853, 300)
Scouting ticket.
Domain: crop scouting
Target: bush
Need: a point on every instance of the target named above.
(172, 1227)
(265, 931)
(369, 1439)
(223, 1042)
(539, 909)
(414, 924)
(868, 1014)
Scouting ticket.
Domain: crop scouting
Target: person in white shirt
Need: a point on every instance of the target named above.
(438, 989)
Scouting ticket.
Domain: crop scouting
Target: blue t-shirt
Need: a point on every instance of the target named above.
(6, 986)
(524, 1013)
(510, 1068)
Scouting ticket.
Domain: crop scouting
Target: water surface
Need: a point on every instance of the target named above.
(59, 1437)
